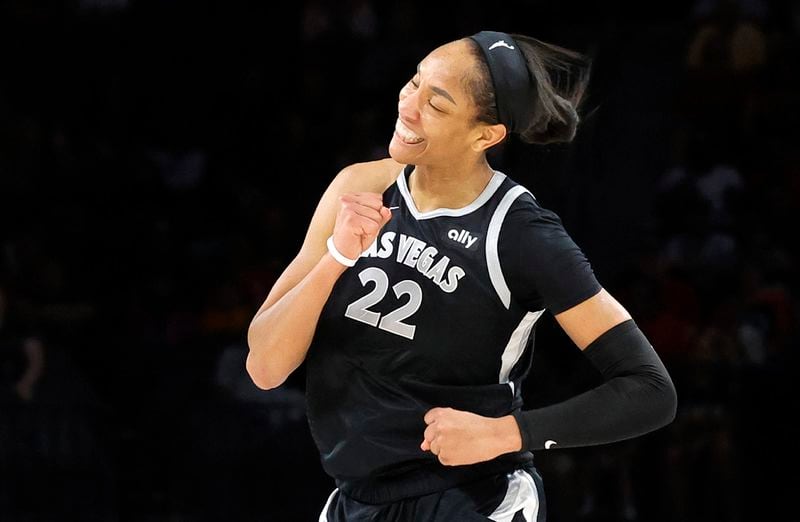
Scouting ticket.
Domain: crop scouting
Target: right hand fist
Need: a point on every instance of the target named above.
(361, 216)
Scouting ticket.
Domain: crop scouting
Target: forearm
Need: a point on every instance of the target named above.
(603, 415)
(279, 337)
(637, 397)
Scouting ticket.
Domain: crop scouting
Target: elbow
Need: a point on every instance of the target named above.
(261, 375)
(268, 364)
(260, 371)
(671, 406)
(668, 404)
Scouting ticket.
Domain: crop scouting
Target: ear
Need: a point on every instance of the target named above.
(489, 136)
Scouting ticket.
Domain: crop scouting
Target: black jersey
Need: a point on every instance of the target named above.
(439, 311)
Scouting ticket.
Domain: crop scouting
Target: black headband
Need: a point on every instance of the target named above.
(514, 90)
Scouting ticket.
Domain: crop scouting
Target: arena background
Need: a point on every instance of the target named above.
(160, 160)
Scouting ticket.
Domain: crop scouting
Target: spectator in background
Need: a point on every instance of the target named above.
(725, 55)
(22, 357)
(52, 459)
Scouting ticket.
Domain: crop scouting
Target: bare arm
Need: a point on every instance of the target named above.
(281, 331)
(586, 321)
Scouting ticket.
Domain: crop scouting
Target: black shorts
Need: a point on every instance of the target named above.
(516, 496)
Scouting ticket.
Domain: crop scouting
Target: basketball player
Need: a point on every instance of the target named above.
(414, 297)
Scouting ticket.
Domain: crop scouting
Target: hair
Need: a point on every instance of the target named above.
(561, 77)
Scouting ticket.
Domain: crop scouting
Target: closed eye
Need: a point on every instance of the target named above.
(416, 86)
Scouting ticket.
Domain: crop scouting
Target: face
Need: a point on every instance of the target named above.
(436, 122)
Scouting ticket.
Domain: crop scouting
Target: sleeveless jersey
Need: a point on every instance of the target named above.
(438, 312)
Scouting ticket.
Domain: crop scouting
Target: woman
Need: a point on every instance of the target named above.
(414, 297)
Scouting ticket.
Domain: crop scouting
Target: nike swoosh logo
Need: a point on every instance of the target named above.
(500, 43)
(392, 208)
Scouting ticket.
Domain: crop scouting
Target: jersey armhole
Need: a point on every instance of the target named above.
(492, 238)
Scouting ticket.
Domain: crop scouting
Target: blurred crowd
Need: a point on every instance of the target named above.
(159, 162)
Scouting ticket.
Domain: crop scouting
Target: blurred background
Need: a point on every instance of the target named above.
(160, 161)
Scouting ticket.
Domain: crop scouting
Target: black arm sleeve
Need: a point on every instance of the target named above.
(637, 397)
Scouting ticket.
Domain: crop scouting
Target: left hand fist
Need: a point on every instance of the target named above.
(461, 437)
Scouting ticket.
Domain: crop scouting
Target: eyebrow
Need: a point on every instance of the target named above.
(440, 91)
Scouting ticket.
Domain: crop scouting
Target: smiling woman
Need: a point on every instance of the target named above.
(415, 295)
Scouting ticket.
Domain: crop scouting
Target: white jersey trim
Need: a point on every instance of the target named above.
(323, 516)
(516, 345)
(488, 192)
(492, 237)
(520, 495)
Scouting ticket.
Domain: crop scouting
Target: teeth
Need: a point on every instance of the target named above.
(405, 133)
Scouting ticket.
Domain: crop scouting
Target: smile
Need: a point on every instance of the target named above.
(406, 135)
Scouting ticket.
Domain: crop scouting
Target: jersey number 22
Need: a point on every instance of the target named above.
(393, 321)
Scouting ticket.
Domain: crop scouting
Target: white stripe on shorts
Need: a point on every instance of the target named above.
(521, 494)
(323, 517)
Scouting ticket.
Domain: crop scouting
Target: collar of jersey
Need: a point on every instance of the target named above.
(483, 197)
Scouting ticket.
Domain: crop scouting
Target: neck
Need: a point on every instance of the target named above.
(434, 187)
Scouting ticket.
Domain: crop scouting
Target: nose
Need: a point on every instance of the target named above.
(408, 106)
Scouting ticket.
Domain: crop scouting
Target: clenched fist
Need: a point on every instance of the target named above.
(460, 437)
(361, 216)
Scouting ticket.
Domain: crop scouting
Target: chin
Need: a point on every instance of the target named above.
(401, 153)
(397, 155)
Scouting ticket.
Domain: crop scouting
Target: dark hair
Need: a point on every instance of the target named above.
(561, 77)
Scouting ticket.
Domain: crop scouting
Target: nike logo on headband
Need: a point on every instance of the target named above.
(500, 43)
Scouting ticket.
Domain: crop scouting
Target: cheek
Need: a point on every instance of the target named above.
(404, 93)
(444, 130)
(449, 139)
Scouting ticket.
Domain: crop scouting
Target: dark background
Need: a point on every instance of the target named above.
(160, 160)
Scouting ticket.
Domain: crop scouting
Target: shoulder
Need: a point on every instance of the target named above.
(544, 266)
(368, 176)
(533, 228)
(526, 210)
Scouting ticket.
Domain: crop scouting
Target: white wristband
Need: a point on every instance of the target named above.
(338, 256)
